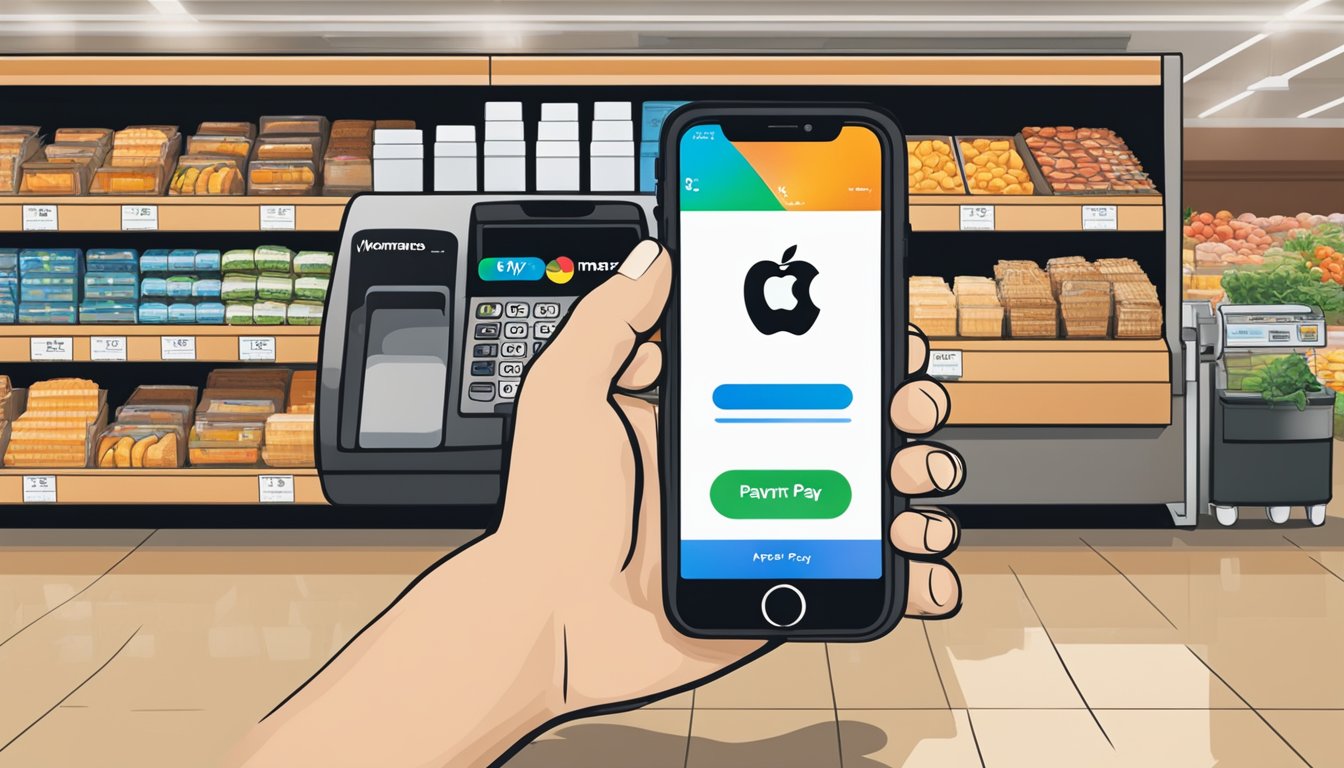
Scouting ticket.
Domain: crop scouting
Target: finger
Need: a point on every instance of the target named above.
(596, 340)
(920, 407)
(643, 370)
(917, 354)
(925, 533)
(646, 555)
(934, 591)
(921, 469)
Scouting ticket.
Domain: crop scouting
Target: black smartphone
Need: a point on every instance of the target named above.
(784, 341)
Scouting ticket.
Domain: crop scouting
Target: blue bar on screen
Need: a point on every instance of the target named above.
(787, 559)
(783, 397)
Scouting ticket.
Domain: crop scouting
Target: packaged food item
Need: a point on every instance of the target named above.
(304, 313)
(209, 313)
(111, 286)
(208, 261)
(275, 287)
(48, 313)
(933, 308)
(180, 286)
(1029, 303)
(274, 258)
(235, 444)
(137, 446)
(50, 261)
(270, 378)
(352, 129)
(307, 148)
(397, 125)
(56, 288)
(227, 128)
(236, 287)
(239, 260)
(182, 313)
(208, 175)
(281, 177)
(153, 313)
(932, 166)
(1080, 161)
(302, 392)
(313, 263)
(228, 145)
(16, 149)
(154, 287)
(111, 260)
(44, 178)
(289, 440)
(154, 261)
(979, 312)
(1085, 306)
(994, 167)
(107, 312)
(128, 179)
(293, 125)
(164, 394)
(89, 155)
(81, 135)
(58, 425)
(206, 288)
(237, 314)
(268, 313)
(309, 288)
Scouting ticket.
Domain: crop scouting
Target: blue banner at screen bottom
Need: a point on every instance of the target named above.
(785, 559)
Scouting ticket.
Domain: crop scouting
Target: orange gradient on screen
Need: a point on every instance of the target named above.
(840, 175)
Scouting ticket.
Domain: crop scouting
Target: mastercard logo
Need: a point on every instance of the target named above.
(560, 270)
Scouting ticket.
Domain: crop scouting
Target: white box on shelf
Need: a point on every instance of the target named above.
(503, 110)
(505, 173)
(505, 148)
(610, 173)
(398, 152)
(398, 136)
(612, 149)
(613, 130)
(557, 166)
(504, 130)
(455, 166)
(611, 110)
(557, 131)
(560, 112)
(455, 133)
(398, 174)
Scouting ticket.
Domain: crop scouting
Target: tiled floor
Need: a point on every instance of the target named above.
(1101, 648)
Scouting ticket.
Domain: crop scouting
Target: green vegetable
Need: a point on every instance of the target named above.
(1284, 280)
(1285, 379)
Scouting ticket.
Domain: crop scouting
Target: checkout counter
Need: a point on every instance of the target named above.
(437, 304)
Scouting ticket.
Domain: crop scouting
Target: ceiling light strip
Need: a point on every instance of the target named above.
(1327, 106)
(1224, 56)
(1220, 107)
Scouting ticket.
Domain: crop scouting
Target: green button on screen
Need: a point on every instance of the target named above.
(780, 494)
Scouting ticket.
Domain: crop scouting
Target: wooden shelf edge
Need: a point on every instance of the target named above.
(81, 331)
(1050, 345)
(1048, 200)
(146, 70)
(173, 200)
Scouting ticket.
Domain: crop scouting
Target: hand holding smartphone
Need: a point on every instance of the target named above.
(784, 338)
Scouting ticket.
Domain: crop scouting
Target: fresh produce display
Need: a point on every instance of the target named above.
(1221, 239)
(1328, 365)
(993, 167)
(1282, 379)
(1086, 161)
(1285, 279)
(1215, 242)
(933, 167)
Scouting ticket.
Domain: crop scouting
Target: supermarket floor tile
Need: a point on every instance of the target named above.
(791, 677)
(895, 672)
(1051, 738)
(1195, 739)
(1315, 734)
(908, 738)
(722, 738)
(644, 738)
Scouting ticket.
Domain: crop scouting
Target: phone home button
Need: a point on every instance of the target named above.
(783, 606)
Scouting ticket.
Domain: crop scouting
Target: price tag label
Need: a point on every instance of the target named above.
(51, 348)
(139, 217)
(257, 348)
(277, 217)
(39, 218)
(1100, 217)
(109, 348)
(275, 489)
(177, 347)
(977, 218)
(945, 363)
(39, 489)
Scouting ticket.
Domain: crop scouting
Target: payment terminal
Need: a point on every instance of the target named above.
(437, 303)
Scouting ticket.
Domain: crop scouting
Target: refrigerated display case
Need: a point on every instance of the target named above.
(1100, 413)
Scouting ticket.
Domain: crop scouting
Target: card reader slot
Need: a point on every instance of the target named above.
(407, 352)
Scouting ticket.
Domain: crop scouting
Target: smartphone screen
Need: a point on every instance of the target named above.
(780, 306)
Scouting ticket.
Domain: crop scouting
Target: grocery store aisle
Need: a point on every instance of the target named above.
(1095, 648)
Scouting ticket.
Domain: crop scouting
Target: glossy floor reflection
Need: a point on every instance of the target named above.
(1100, 648)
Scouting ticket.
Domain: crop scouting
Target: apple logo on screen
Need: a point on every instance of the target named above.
(779, 297)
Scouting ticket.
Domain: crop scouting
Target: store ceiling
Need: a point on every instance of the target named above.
(1286, 34)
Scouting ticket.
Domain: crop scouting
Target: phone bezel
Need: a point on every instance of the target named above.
(838, 609)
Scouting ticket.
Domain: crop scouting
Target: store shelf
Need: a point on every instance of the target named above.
(147, 343)
(243, 213)
(163, 486)
(1037, 213)
(1012, 382)
(941, 213)
(245, 70)
(826, 70)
